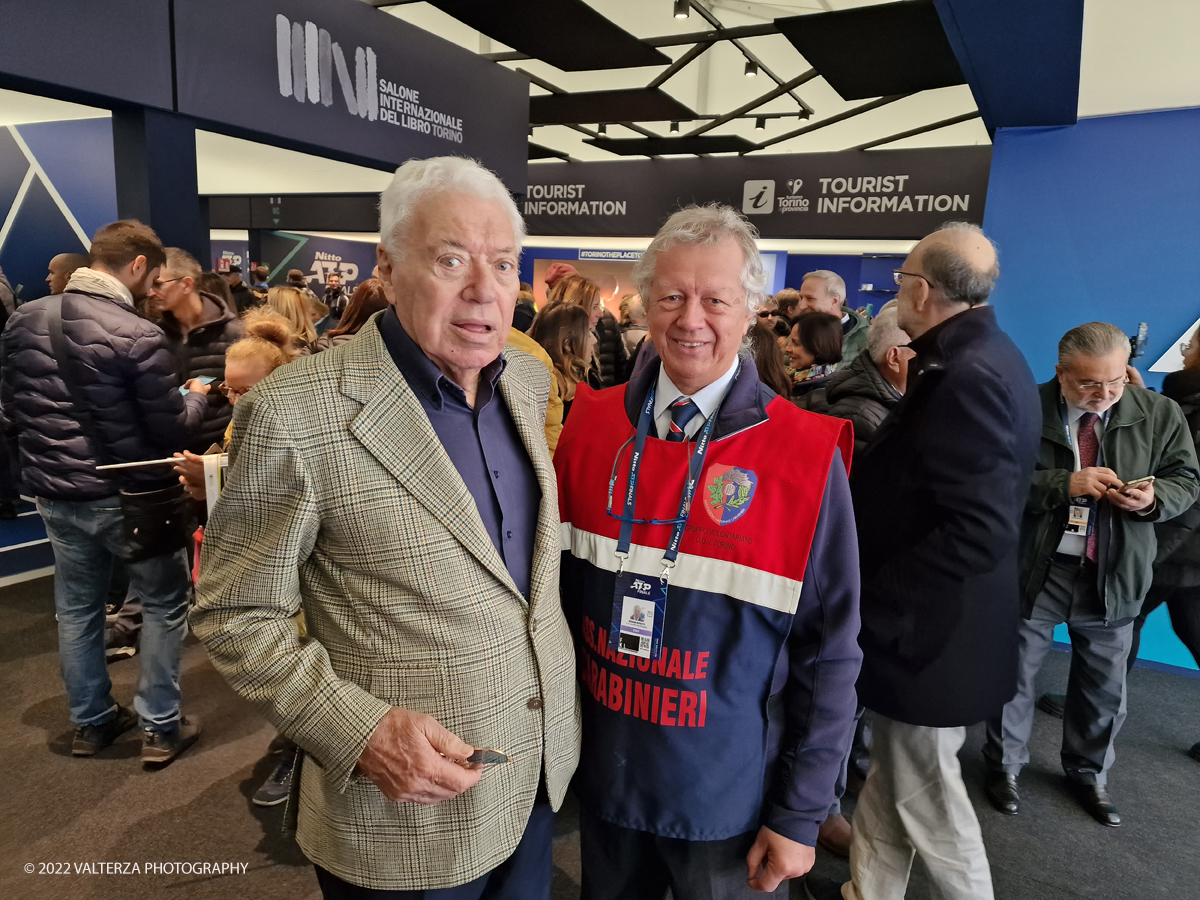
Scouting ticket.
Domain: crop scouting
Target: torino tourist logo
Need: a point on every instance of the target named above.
(306, 57)
(793, 202)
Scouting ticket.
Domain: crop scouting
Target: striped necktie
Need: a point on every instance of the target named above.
(682, 411)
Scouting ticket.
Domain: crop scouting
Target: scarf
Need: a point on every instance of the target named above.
(93, 281)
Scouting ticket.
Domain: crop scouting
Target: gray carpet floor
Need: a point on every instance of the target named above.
(67, 812)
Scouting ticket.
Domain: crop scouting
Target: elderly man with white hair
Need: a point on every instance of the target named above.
(867, 390)
(711, 583)
(825, 291)
(397, 489)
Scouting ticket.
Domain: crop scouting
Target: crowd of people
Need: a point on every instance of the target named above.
(696, 560)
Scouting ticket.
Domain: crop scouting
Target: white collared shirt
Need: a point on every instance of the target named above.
(1076, 544)
(708, 398)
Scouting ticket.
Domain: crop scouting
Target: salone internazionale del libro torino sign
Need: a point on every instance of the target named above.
(342, 75)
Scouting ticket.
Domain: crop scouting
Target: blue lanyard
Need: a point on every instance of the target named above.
(645, 423)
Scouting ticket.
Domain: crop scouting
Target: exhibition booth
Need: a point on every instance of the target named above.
(1095, 218)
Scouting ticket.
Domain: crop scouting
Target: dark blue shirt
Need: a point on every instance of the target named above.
(483, 444)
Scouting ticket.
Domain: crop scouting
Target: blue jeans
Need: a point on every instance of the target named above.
(85, 535)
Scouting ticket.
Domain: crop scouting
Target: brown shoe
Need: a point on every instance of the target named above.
(159, 748)
(834, 836)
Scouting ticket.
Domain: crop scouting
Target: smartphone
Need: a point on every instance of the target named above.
(486, 758)
(1137, 482)
(203, 379)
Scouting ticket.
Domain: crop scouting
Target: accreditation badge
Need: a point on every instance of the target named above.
(639, 609)
(1079, 516)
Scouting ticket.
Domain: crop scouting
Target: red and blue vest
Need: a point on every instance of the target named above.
(680, 746)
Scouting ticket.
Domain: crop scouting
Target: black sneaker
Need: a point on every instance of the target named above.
(278, 784)
(119, 644)
(160, 747)
(91, 739)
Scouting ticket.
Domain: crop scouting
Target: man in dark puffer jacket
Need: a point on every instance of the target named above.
(866, 391)
(201, 327)
(610, 350)
(125, 374)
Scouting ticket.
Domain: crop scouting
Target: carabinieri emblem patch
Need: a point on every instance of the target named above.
(728, 492)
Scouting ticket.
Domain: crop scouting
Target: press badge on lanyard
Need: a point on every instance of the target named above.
(1081, 517)
(640, 601)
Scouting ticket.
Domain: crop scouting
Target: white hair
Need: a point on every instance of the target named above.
(709, 224)
(885, 333)
(421, 178)
(835, 286)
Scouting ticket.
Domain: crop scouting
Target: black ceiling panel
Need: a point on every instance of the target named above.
(568, 34)
(704, 143)
(634, 105)
(538, 151)
(873, 51)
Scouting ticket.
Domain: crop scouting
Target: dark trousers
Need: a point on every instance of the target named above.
(1183, 603)
(626, 864)
(523, 876)
(1095, 707)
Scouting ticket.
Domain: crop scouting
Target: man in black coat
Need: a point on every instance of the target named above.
(938, 500)
(242, 295)
(200, 327)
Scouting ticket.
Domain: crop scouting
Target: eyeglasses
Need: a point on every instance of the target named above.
(898, 277)
(159, 282)
(1094, 387)
(231, 394)
(767, 313)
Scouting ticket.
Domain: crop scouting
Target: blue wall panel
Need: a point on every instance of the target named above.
(1097, 221)
(76, 158)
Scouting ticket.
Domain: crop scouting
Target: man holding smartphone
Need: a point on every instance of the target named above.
(1112, 463)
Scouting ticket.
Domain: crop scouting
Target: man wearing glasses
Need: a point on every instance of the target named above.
(937, 498)
(1087, 550)
(200, 327)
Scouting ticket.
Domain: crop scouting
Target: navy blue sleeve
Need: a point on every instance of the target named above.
(823, 659)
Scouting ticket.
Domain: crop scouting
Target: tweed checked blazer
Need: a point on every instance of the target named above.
(341, 501)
